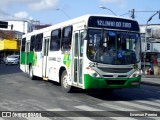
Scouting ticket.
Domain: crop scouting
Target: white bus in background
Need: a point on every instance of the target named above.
(91, 51)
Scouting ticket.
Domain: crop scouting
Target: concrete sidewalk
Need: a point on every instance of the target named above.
(151, 80)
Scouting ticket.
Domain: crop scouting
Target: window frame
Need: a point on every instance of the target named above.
(55, 38)
(23, 47)
(39, 41)
(32, 43)
(67, 38)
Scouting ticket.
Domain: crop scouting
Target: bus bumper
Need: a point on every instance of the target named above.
(91, 82)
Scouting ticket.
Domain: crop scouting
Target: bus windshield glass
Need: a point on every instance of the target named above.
(113, 47)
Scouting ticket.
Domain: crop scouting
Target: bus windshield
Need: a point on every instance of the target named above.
(113, 47)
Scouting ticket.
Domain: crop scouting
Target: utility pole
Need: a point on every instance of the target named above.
(133, 13)
(146, 37)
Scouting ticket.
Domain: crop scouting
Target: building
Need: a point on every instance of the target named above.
(11, 31)
(150, 46)
(37, 27)
(9, 42)
(152, 37)
(21, 25)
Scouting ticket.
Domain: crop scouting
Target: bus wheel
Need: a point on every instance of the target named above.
(31, 76)
(65, 86)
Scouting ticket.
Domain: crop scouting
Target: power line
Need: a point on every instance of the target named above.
(5, 13)
(125, 14)
(145, 11)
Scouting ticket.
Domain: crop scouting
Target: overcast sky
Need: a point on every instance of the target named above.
(46, 11)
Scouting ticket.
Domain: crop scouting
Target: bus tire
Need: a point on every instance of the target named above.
(31, 76)
(64, 84)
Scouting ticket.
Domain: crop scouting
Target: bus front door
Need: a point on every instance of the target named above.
(45, 58)
(78, 59)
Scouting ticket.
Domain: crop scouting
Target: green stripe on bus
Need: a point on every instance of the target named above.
(29, 59)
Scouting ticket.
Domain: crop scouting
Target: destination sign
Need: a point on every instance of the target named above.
(113, 23)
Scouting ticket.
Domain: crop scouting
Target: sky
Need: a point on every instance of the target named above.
(56, 11)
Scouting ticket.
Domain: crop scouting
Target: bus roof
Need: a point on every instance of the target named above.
(83, 18)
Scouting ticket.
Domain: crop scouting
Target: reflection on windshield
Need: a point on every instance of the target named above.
(113, 47)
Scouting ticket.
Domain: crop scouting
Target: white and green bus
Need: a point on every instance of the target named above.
(91, 51)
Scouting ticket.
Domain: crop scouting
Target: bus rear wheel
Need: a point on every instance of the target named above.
(64, 83)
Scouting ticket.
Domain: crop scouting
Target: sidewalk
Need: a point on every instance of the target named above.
(151, 80)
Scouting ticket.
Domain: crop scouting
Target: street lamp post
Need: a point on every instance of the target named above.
(64, 13)
(103, 7)
(146, 37)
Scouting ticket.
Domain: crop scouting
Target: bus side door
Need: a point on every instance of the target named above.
(45, 58)
(78, 59)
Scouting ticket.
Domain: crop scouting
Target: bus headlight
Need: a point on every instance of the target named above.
(92, 72)
(136, 74)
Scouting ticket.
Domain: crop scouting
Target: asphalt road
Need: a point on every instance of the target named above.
(19, 93)
(9, 69)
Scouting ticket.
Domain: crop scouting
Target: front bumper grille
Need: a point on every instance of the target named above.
(115, 82)
(115, 70)
(112, 76)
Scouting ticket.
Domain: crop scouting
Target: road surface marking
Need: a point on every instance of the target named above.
(136, 105)
(87, 108)
(115, 107)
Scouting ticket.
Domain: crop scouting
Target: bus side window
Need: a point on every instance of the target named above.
(38, 45)
(81, 43)
(66, 38)
(55, 40)
(32, 44)
(23, 44)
